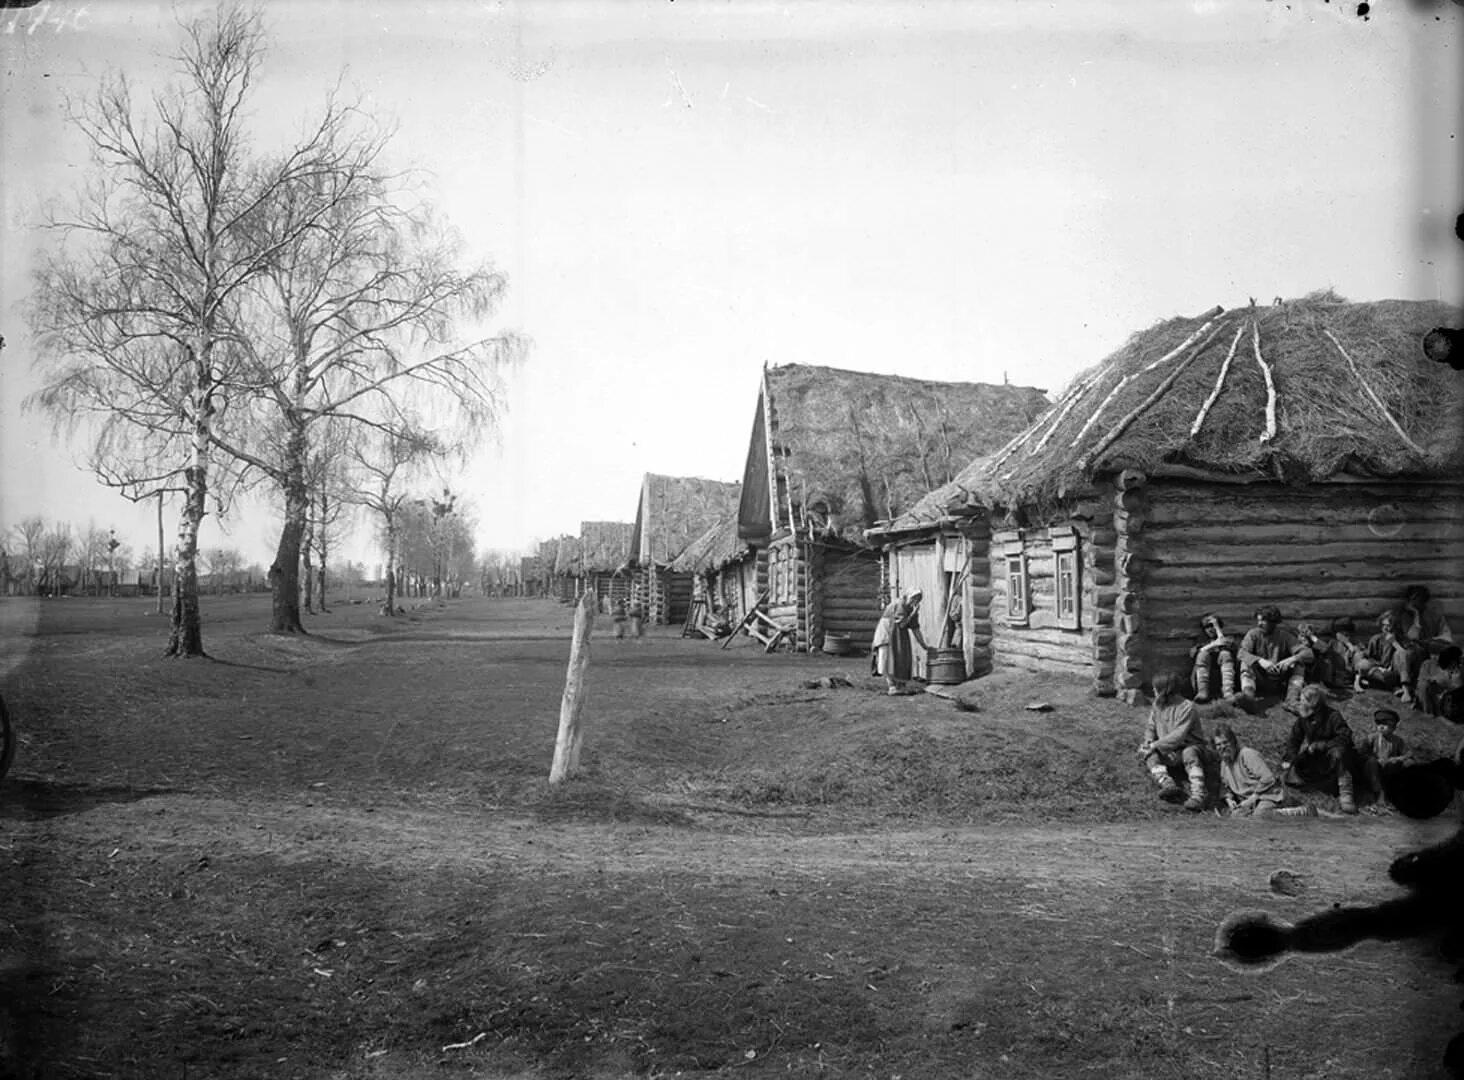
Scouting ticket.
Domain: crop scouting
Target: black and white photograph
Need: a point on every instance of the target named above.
(648, 539)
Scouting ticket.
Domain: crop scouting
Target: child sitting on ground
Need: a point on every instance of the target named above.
(1381, 750)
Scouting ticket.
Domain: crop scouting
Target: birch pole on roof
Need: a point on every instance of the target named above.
(1134, 413)
(1270, 432)
(1067, 407)
(1209, 317)
(1219, 382)
(1377, 401)
(571, 707)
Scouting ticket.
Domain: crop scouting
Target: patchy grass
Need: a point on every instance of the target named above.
(337, 857)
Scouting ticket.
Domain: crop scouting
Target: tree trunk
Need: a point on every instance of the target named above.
(186, 636)
(284, 574)
(307, 551)
(391, 582)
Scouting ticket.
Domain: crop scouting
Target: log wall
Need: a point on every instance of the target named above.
(1316, 552)
(1090, 650)
(785, 572)
(850, 595)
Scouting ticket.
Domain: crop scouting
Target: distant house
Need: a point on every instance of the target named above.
(723, 568)
(1304, 454)
(671, 513)
(567, 577)
(604, 550)
(834, 452)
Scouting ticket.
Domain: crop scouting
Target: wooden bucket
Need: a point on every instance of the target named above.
(836, 644)
(947, 667)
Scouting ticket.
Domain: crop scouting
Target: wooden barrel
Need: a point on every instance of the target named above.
(947, 667)
(836, 644)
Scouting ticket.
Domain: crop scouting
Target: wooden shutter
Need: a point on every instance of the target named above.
(1017, 611)
(1065, 570)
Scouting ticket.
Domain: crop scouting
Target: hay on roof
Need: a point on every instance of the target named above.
(604, 545)
(714, 549)
(857, 447)
(674, 511)
(1327, 421)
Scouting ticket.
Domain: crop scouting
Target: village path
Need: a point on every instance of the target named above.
(1339, 861)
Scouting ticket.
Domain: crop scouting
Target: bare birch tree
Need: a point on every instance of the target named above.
(365, 321)
(131, 306)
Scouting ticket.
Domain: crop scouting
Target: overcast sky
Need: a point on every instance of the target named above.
(682, 192)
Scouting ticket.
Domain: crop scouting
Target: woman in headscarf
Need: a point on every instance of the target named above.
(899, 625)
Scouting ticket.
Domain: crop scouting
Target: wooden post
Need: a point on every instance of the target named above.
(567, 744)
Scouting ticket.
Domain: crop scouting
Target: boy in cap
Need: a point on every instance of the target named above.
(1273, 656)
(1378, 751)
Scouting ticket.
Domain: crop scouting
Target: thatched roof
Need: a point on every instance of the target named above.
(854, 448)
(714, 549)
(675, 510)
(567, 557)
(1350, 390)
(604, 545)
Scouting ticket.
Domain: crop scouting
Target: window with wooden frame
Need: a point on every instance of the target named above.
(1065, 572)
(1016, 574)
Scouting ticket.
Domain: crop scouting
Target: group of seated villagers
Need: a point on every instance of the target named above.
(1413, 655)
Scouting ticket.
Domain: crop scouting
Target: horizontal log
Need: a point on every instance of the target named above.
(1323, 516)
(1129, 602)
(980, 597)
(1043, 664)
(1129, 624)
(1263, 576)
(1102, 538)
(1104, 637)
(1106, 598)
(1103, 617)
(1100, 575)
(1279, 591)
(978, 626)
(1279, 553)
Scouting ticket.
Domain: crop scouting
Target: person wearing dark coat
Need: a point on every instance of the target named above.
(1318, 751)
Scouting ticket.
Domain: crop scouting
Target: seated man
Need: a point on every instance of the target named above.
(1271, 655)
(1174, 740)
(1371, 665)
(1439, 681)
(1422, 632)
(1214, 651)
(1247, 782)
(1318, 751)
(1378, 752)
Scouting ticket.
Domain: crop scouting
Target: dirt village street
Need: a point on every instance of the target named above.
(338, 856)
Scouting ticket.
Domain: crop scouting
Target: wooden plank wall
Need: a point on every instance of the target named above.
(1316, 552)
(917, 566)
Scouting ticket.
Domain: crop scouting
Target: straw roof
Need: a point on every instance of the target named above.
(1338, 388)
(604, 545)
(674, 511)
(714, 549)
(567, 557)
(855, 447)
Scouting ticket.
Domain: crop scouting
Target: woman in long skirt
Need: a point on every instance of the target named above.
(894, 639)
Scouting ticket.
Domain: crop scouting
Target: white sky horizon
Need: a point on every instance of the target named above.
(681, 193)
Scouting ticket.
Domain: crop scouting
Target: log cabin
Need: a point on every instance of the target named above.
(568, 577)
(831, 453)
(672, 512)
(724, 569)
(604, 549)
(1305, 454)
